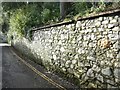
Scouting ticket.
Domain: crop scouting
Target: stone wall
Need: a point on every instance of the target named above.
(87, 49)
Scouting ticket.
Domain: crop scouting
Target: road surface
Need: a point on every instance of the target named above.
(16, 73)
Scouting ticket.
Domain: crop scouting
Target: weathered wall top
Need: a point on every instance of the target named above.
(107, 13)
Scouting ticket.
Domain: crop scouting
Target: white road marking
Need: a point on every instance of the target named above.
(4, 44)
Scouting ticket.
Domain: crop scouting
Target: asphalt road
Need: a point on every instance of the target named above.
(0, 67)
(15, 74)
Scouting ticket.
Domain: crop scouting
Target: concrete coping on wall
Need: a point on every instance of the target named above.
(79, 19)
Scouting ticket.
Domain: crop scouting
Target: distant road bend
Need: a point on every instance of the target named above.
(19, 73)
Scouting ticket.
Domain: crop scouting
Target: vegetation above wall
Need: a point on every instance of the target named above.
(20, 16)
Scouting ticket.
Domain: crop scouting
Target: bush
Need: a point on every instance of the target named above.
(23, 19)
(50, 13)
(81, 7)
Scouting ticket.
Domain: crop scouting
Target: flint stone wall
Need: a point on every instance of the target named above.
(88, 50)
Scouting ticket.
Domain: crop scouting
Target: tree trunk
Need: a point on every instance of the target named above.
(62, 10)
(65, 8)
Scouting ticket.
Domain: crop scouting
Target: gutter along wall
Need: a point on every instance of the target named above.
(87, 49)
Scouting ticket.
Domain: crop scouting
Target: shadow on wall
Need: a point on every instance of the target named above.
(26, 51)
